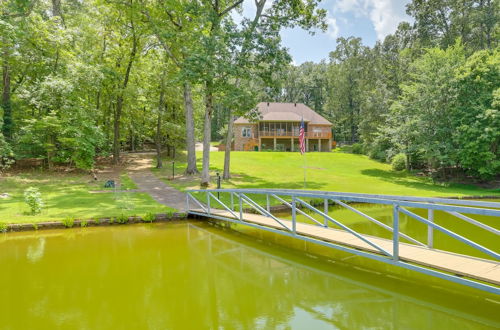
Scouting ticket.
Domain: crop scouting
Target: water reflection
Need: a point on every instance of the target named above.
(302, 296)
(36, 250)
(194, 276)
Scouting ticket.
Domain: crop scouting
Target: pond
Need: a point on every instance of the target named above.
(193, 275)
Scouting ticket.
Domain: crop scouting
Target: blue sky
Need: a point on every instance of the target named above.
(371, 20)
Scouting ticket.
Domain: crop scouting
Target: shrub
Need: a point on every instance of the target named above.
(3, 227)
(357, 148)
(33, 198)
(399, 162)
(84, 223)
(122, 219)
(68, 222)
(149, 217)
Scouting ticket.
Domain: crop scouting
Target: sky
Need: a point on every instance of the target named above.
(370, 20)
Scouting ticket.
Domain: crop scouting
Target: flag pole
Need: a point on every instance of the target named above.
(305, 169)
(302, 147)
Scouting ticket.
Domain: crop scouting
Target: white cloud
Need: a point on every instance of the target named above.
(385, 15)
(333, 28)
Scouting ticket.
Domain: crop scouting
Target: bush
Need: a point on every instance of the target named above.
(68, 222)
(33, 198)
(399, 162)
(3, 227)
(121, 219)
(149, 217)
(357, 148)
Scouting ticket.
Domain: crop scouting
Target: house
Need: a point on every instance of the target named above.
(277, 128)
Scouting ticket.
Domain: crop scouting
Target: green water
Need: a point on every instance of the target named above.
(413, 228)
(196, 276)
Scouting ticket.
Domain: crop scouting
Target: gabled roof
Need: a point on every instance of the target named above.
(274, 111)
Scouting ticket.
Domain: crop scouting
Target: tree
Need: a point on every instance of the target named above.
(477, 114)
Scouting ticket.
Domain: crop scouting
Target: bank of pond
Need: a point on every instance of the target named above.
(195, 274)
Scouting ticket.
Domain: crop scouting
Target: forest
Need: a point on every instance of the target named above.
(94, 78)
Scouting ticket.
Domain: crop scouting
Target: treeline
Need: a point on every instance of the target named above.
(93, 78)
(430, 91)
(82, 79)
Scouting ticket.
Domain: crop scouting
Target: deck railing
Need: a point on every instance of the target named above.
(294, 133)
(297, 200)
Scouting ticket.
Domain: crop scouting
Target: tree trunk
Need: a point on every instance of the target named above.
(207, 134)
(161, 105)
(190, 145)
(116, 129)
(119, 99)
(230, 125)
(6, 103)
(227, 153)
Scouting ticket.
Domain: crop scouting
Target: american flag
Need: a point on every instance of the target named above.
(302, 137)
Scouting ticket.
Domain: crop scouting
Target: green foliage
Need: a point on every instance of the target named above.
(35, 226)
(477, 114)
(84, 223)
(6, 154)
(149, 217)
(399, 162)
(68, 222)
(121, 219)
(3, 227)
(33, 198)
(357, 148)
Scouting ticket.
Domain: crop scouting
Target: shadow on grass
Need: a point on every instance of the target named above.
(421, 183)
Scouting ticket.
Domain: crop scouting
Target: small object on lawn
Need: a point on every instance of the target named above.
(4, 195)
(218, 184)
(109, 184)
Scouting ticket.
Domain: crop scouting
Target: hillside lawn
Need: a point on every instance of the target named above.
(70, 196)
(335, 171)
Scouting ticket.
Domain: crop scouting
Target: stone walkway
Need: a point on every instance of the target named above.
(146, 181)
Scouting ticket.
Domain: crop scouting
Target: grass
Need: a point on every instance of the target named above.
(334, 171)
(68, 196)
(126, 182)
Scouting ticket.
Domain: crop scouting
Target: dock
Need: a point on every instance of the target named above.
(480, 273)
(476, 268)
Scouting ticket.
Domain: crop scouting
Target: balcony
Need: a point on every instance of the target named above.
(294, 133)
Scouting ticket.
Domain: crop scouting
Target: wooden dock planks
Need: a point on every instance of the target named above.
(476, 268)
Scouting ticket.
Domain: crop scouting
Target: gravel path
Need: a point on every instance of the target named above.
(139, 172)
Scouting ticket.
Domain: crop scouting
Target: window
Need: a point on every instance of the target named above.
(246, 132)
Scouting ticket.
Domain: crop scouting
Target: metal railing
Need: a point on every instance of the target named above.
(400, 205)
(294, 133)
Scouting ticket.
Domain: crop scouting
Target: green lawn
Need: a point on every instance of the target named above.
(334, 171)
(67, 195)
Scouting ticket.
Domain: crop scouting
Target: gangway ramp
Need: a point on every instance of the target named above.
(464, 269)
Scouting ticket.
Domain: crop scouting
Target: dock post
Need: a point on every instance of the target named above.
(294, 215)
(395, 232)
(241, 208)
(430, 230)
(326, 211)
(187, 202)
(268, 203)
(208, 203)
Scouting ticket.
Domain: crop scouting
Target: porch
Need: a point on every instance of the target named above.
(291, 144)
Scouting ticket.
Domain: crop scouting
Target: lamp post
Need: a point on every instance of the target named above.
(218, 184)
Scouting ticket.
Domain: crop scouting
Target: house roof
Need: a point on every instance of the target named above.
(274, 111)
